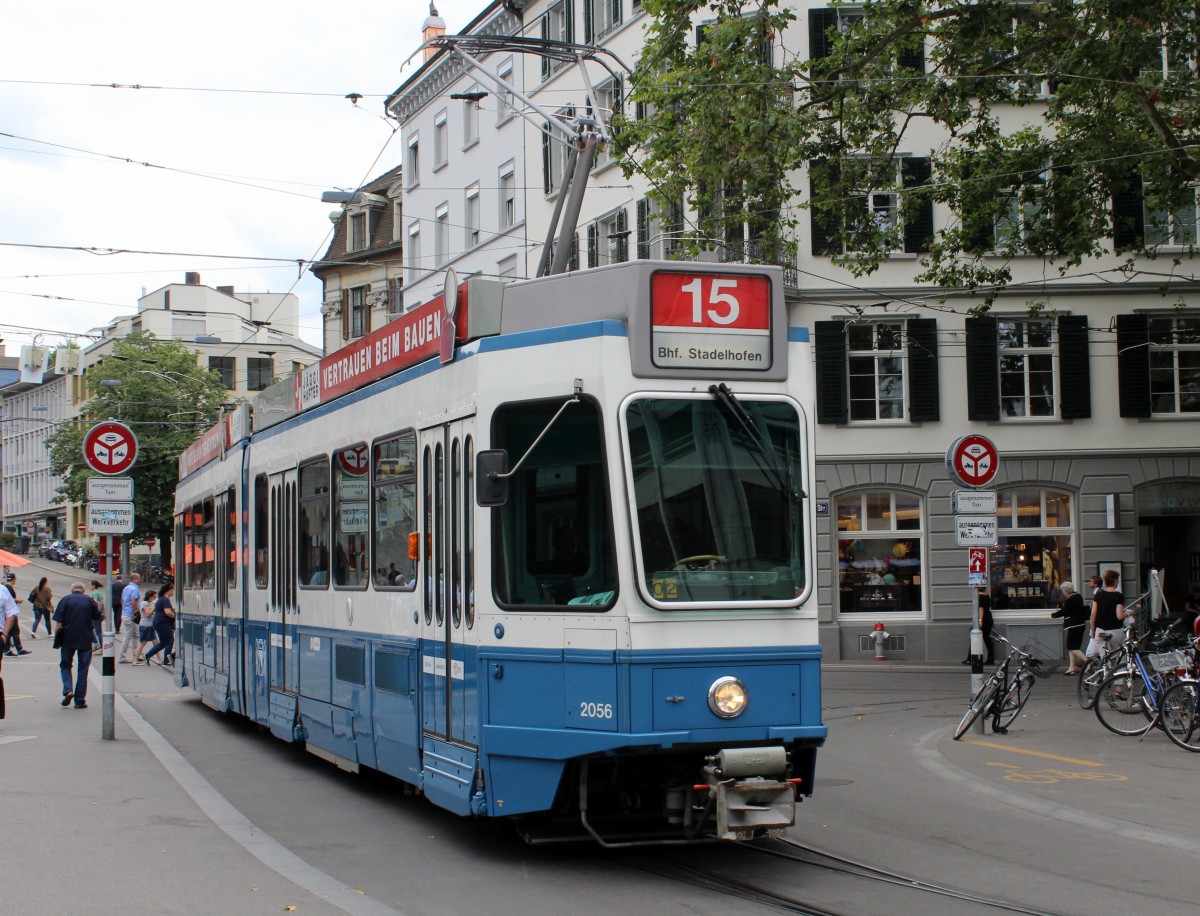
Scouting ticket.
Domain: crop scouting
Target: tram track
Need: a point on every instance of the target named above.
(828, 861)
(693, 875)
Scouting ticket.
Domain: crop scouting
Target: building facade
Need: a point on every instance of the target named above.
(465, 169)
(1093, 400)
(362, 271)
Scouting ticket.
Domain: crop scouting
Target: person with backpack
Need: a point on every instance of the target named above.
(43, 605)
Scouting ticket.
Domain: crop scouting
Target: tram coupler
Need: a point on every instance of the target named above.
(750, 791)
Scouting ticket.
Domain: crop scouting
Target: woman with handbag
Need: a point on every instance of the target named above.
(43, 606)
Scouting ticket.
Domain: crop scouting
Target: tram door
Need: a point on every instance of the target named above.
(284, 546)
(447, 586)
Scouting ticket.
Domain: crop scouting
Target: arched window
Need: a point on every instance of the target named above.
(879, 552)
(1033, 555)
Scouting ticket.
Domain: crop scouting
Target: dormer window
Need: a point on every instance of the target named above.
(362, 222)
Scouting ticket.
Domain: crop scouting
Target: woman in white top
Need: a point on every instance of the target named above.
(145, 630)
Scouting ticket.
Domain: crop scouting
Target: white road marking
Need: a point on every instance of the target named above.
(241, 830)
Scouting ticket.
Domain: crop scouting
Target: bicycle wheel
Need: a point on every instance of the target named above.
(979, 703)
(1121, 704)
(1012, 704)
(1091, 675)
(1180, 715)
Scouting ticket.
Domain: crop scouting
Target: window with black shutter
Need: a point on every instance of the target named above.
(915, 172)
(832, 384)
(1129, 226)
(924, 397)
(1133, 365)
(1075, 378)
(983, 369)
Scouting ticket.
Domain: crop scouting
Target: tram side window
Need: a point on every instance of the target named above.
(262, 521)
(314, 524)
(351, 518)
(208, 547)
(394, 504)
(553, 539)
(231, 542)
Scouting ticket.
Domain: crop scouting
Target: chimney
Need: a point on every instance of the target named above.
(434, 26)
(192, 278)
(227, 290)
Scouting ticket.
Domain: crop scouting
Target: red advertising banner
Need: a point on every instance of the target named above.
(408, 340)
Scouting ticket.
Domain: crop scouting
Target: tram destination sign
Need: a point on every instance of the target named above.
(710, 321)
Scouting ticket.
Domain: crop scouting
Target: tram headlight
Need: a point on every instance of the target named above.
(727, 697)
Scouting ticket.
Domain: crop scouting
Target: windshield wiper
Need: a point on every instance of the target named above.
(777, 469)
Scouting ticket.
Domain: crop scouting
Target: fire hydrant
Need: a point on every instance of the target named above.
(880, 635)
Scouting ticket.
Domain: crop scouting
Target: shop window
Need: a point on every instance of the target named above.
(879, 553)
(1033, 555)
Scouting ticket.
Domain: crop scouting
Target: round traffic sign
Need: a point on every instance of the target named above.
(110, 448)
(974, 460)
(353, 460)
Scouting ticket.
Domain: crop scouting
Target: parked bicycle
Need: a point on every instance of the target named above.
(1129, 701)
(1179, 713)
(1006, 691)
(1099, 668)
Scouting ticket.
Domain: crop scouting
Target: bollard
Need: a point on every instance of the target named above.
(977, 651)
(108, 671)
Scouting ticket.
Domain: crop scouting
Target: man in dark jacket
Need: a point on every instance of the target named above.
(75, 616)
(114, 599)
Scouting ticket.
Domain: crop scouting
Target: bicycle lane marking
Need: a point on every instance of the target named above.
(925, 752)
(1020, 750)
(1050, 775)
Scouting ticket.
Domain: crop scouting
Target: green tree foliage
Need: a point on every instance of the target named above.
(167, 400)
(715, 125)
(1044, 113)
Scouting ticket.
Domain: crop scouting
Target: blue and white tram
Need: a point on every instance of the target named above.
(541, 550)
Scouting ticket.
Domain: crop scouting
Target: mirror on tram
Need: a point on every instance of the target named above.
(491, 474)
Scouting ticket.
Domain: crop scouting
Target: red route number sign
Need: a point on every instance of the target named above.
(110, 448)
(974, 460)
(710, 321)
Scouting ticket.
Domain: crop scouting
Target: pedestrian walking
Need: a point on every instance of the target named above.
(164, 627)
(1075, 617)
(114, 594)
(42, 600)
(14, 647)
(76, 615)
(146, 626)
(98, 596)
(131, 603)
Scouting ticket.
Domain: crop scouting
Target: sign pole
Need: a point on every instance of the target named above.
(110, 448)
(108, 665)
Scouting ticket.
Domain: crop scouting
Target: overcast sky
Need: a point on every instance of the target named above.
(285, 135)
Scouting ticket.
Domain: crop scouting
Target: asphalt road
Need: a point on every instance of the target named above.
(1058, 816)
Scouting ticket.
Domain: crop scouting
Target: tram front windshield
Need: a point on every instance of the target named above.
(717, 483)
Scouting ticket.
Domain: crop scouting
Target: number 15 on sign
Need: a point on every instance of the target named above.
(977, 567)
